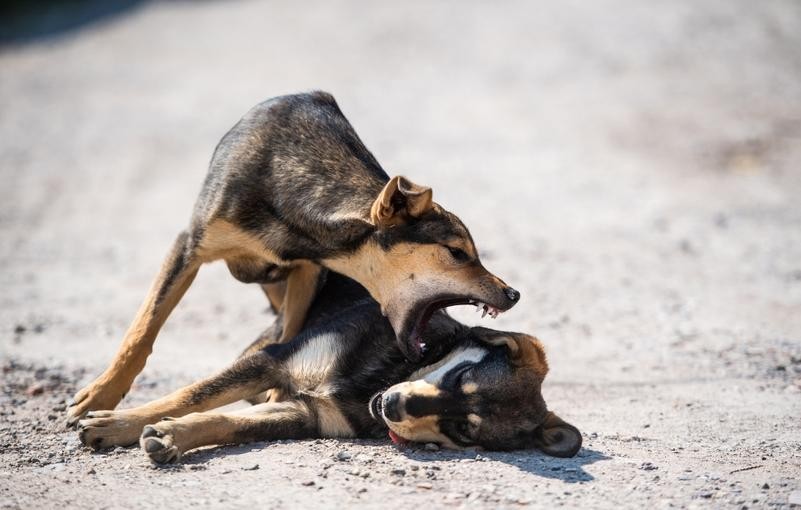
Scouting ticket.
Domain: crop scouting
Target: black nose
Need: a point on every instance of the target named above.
(390, 407)
(512, 294)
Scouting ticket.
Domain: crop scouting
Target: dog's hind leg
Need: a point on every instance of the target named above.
(176, 275)
(166, 441)
(248, 376)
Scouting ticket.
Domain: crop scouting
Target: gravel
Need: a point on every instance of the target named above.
(631, 168)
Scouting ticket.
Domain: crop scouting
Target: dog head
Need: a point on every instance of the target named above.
(485, 395)
(421, 258)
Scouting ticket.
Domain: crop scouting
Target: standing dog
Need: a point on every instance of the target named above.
(292, 189)
(344, 375)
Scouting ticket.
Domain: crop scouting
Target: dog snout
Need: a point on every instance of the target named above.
(512, 294)
(390, 407)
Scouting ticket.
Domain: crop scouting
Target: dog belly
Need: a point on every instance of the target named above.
(254, 270)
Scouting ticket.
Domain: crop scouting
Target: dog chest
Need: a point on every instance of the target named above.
(310, 366)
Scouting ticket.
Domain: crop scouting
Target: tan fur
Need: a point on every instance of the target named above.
(224, 240)
(525, 350)
(417, 201)
(404, 266)
(103, 429)
(469, 388)
(275, 294)
(331, 421)
(531, 354)
(422, 430)
(301, 287)
(107, 390)
(202, 429)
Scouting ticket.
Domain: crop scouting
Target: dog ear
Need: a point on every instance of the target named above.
(524, 350)
(498, 338)
(399, 200)
(556, 437)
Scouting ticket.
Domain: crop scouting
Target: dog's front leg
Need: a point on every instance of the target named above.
(176, 275)
(247, 377)
(167, 440)
(301, 288)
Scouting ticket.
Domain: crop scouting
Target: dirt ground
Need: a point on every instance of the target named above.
(631, 167)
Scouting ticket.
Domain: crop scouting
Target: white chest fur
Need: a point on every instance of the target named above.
(312, 363)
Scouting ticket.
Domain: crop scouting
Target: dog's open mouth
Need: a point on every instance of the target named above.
(376, 407)
(416, 346)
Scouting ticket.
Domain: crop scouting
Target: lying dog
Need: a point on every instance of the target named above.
(345, 376)
(292, 189)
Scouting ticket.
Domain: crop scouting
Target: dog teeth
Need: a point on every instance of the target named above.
(487, 309)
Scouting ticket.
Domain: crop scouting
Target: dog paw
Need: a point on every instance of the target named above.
(158, 442)
(104, 429)
(93, 397)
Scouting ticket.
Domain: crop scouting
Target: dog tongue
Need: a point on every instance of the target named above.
(396, 438)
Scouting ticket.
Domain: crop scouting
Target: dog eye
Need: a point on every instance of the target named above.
(458, 254)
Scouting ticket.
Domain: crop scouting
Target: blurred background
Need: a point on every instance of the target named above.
(631, 167)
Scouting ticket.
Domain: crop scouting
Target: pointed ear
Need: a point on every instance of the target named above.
(524, 350)
(400, 200)
(557, 437)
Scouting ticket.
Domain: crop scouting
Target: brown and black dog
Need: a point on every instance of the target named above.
(292, 189)
(344, 375)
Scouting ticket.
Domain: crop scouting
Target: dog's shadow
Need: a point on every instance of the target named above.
(569, 470)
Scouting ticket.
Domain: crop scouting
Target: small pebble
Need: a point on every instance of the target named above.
(35, 389)
(254, 467)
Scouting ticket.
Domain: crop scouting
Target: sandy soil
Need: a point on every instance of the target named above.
(631, 167)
